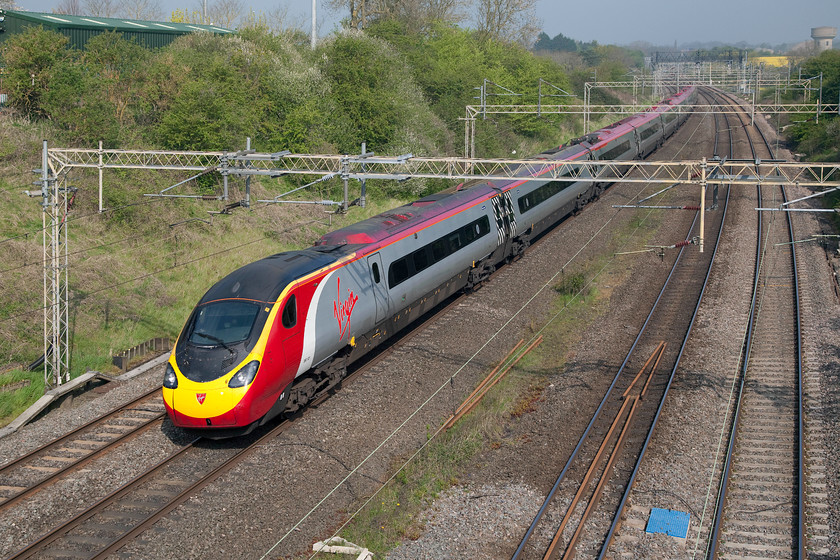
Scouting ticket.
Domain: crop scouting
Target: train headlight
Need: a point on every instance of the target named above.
(170, 380)
(244, 376)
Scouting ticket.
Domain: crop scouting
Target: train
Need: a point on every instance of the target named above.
(275, 333)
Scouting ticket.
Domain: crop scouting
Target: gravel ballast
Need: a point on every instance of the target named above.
(287, 495)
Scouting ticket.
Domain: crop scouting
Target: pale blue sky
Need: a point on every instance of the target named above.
(622, 21)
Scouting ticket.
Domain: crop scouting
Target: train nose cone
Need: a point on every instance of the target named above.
(207, 407)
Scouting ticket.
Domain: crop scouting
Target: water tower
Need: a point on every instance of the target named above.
(823, 38)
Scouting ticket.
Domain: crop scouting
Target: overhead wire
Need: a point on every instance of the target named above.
(457, 372)
(156, 272)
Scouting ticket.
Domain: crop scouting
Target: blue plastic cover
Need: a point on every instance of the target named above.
(668, 521)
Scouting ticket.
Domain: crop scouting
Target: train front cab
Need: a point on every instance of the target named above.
(217, 375)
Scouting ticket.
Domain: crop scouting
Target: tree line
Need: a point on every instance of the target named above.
(508, 20)
(397, 88)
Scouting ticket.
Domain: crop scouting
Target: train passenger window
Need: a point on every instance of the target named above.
(541, 194)
(375, 269)
(398, 272)
(403, 269)
(439, 250)
(454, 240)
(616, 151)
(651, 130)
(289, 317)
(421, 260)
(471, 234)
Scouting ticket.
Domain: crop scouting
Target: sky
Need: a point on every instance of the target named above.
(617, 21)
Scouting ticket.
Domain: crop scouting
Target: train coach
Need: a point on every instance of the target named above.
(271, 335)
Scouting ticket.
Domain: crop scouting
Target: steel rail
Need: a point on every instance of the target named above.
(712, 551)
(84, 460)
(628, 488)
(602, 404)
(616, 519)
(801, 535)
(53, 478)
(37, 546)
(73, 433)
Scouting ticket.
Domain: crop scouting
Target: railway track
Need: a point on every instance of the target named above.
(761, 498)
(603, 465)
(118, 518)
(23, 477)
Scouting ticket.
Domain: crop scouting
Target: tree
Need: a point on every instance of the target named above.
(559, 43)
(30, 58)
(513, 21)
(8, 5)
(361, 11)
(415, 14)
(140, 9)
(421, 14)
(225, 12)
(118, 66)
(69, 7)
(100, 8)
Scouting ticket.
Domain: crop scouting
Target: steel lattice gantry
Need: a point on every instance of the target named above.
(53, 195)
(57, 162)
(735, 172)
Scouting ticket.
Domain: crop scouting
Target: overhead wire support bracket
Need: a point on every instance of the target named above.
(276, 199)
(178, 184)
(540, 95)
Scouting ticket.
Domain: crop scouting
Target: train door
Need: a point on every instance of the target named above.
(505, 217)
(380, 291)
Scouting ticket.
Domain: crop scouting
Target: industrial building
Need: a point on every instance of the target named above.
(79, 29)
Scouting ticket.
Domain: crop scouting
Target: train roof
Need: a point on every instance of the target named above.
(265, 279)
(380, 227)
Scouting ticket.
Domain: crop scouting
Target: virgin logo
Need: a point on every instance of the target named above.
(343, 310)
(200, 397)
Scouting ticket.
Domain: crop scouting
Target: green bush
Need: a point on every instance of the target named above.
(30, 59)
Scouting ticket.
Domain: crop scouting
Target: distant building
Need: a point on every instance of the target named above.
(774, 61)
(150, 34)
(823, 38)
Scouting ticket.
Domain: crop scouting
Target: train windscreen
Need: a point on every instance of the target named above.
(223, 322)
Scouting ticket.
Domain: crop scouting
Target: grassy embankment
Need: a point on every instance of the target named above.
(136, 270)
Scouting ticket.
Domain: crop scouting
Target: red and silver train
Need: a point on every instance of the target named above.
(270, 335)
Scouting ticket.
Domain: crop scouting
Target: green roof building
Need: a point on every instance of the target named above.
(150, 34)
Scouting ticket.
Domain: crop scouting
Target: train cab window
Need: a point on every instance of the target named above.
(223, 322)
(375, 269)
(289, 317)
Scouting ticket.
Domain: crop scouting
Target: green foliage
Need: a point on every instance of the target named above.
(14, 401)
(362, 81)
(75, 102)
(559, 43)
(571, 285)
(827, 64)
(821, 141)
(448, 65)
(30, 59)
